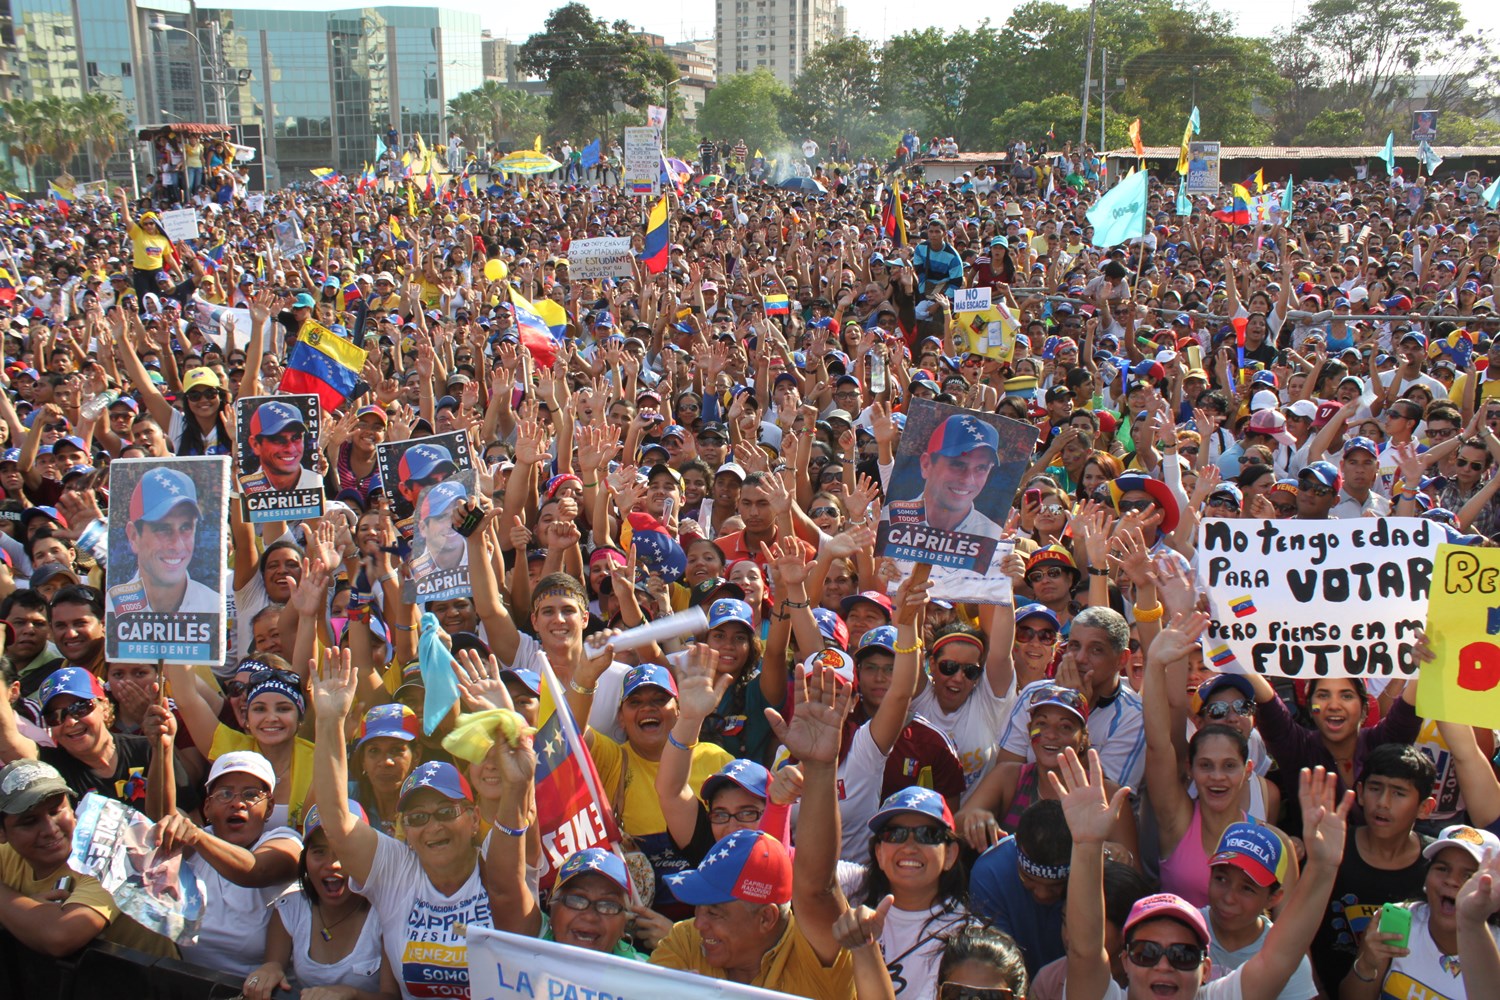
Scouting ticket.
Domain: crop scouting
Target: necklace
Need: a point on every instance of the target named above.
(327, 927)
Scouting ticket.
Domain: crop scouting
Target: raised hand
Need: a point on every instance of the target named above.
(159, 724)
(479, 682)
(1175, 642)
(1480, 895)
(1090, 810)
(786, 561)
(861, 926)
(1324, 816)
(821, 701)
(700, 684)
(334, 684)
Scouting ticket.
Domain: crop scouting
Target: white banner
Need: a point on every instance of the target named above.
(971, 300)
(180, 224)
(214, 321)
(603, 257)
(256, 203)
(1338, 598)
(642, 160)
(504, 966)
(243, 154)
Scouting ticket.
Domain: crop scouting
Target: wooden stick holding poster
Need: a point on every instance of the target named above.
(1463, 627)
(951, 490)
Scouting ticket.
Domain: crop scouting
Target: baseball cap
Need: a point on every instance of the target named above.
(1475, 842)
(1269, 422)
(1165, 906)
(959, 435)
(441, 498)
(1361, 444)
(1254, 850)
(373, 411)
(41, 575)
(424, 460)
(594, 861)
(1065, 698)
(159, 492)
(1231, 491)
(394, 720)
(1052, 554)
(748, 865)
(440, 777)
(833, 627)
(1326, 411)
(923, 801)
(1304, 408)
(874, 597)
(648, 675)
(732, 468)
(25, 784)
(243, 762)
(879, 637)
(1217, 683)
(728, 609)
(1324, 472)
(312, 819)
(747, 774)
(304, 301)
(840, 662)
(273, 417)
(1026, 611)
(75, 681)
(200, 377)
(1132, 482)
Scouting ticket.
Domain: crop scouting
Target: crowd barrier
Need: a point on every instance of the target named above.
(107, 971)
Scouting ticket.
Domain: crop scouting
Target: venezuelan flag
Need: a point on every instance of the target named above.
(555, 315)
(1238, 214)
(14, 202)
(325, 175)
(1242, 606)
(324, 363)
(778, 305)
(655, 254)
(533, 330)
(61, 197)
(349, 295)
(7, 287)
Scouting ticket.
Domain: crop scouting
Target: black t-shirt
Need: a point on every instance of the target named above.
(1359, 889)
(128, 783)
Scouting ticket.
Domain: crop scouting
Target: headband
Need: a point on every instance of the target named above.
(1036, 870)
(973, 640)
(278, 685)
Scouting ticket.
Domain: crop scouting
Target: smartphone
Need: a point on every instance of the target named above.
(1395, 920)
(1033, 497)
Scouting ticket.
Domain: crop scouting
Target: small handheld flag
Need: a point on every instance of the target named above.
(654, 254)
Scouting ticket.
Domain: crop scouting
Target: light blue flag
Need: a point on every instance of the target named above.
(1429, 157)
(1184, 203)
(1121, 214)
(1388, 155)
(1492, 194)
(589, 157)
(380, 149)
(438, 674)
(1193, 120)
(1286, 200)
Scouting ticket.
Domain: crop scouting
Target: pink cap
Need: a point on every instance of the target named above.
(1165, 906)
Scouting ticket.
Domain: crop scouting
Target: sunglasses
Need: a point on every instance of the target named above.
(749, 814)
(1285, 508)
(1441, 434)
(603, 907)
(1316, 489)
(1476, 466)
(77, 710)
(927, 836)
(1049, 573)
(1218, 710)
(199, 395)
(1188, 451)
(443, 814)
(1130, 506)
(1025, 633)
(971, 671)
(235, 689)
(1182, 957)
(1053, 509)
(823, 512)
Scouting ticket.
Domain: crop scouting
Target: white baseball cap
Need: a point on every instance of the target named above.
(243, 762)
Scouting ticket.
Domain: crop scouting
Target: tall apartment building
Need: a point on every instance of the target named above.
(501, 58)
(776, 34)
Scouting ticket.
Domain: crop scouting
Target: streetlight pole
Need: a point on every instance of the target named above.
(1196, 71)
(212, 67)
(1088, 75)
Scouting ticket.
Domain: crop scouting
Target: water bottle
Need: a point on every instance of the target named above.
(877, 372)
(96, 405)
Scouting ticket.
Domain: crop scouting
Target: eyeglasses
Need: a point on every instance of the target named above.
(1218, 710)
(1182, 957)
(443, 814)
(603, 907)
(749, 814)
(927, 836)
(77, 710)
(1049, 573)
(971, 671)
(1130, 506)
(199, 395)
(1476, 466)
(1025, 633)
(823, 512)
(229, 796)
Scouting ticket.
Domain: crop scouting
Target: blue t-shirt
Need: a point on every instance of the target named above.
(996, 893)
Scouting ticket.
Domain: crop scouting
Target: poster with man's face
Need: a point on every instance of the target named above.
(951, 491)
(164, 596)
(278, 444)
(409, 467)
(439, 566)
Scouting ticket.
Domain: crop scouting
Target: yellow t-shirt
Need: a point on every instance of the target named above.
(16, 874)
(227, 740)
(1489, 388)
(642, 807)
(791, 966)
(148, 251)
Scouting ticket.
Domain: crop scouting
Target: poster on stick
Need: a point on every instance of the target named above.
(1463, 625)
(1307, 599)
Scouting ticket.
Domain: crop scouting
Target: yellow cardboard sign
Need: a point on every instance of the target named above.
(991, 333)
(1463, 627)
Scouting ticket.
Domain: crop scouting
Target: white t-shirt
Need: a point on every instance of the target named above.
(912, 944)
(1116, 729)
(1424, 973)
(972, 727)
(232, 937)
(1299, 987)
(359, 969)
(860, 778)
(604, 716)
(424, 931)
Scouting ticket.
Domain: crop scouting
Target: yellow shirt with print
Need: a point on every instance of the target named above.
(642, 808)
(791, 966)
(17, 874)
(1489, 388)
(227, 740)
(148, 250)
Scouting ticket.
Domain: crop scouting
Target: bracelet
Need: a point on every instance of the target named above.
(1361, 976)
(402, 628)
(589, 486)
(681, 746)
(1098, 571)
(915, 647)
(846, 461)
(1148, 615)
(511, 831)
(793, 604)
(577, 689)
(389, 576)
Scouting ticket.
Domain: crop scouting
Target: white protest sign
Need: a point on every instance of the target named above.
(604, 257)
(180, 224)
(1203, 168)
(256, 203)
(1339, 598)
(642, 160)
(506, 966)
(243, 154)
(971, 300)
(216, 321)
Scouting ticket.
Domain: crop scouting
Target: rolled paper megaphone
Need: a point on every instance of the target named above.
(690, 622)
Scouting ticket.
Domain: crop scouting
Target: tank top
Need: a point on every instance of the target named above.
(1027, 792)
(1185, 871)
(359, 969)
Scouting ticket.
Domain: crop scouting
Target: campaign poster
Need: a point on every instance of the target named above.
(1203, 168)
(439, 567)
(409, 467)
(116, 845)
(1463, 625)
(168, 546)
(1306, 599)
(1424, 126)
(278, 441)
(642, 160)
(951, 491)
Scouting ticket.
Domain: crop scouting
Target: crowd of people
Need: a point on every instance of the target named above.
(841, 787)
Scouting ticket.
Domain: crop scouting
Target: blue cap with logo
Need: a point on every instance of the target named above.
(747, 774)
(960, 434)
(1362, 444)
(728, 609)
(879, 637)
(161, 491)
(275, 416)
(649, 675)
(1253, 849)
(440, 777)
(594, 861)
(75, 681)
(915, 799)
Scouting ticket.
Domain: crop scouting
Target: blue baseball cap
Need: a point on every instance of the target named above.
(1217, 683)
(1324, 472)
(832, 627)
(728, 609)
(923, 801)
(424, 460)
(303, 301)
(441, 498)
(530, 678)
(1026, 611)
(1361, 444)
(10, 455)
(649, 675)
(275, 416)
(880, 637)
(72, 441)
(594, 861)
(748, 865)
(1231, 491)
(440, 777)
(394, 720)
(961, 434)
(747, 774)
(75, 681)
(313, 819)
(159, 492)
(1253, 849)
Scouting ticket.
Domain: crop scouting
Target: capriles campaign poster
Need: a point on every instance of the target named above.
(164, 596)
(278, 442)
(951, 491)
(428, 479)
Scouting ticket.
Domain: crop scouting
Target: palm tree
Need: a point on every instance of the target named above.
(61, 137)
(469, 115)
(504, 112)
(22, 128)
(101, 124)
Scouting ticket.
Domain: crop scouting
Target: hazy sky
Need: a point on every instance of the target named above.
(876, 19)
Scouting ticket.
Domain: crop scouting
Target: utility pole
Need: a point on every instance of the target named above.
(1196, 71)
(1103, 95)
(1088, 74)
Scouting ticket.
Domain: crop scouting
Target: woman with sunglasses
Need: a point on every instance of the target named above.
(425, 890)
(149, 246)
(1229, 700)
(325, 937)
(968, 689)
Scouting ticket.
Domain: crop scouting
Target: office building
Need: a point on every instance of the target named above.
(501, 58)
(776, 34)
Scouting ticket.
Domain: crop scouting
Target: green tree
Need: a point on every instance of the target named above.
(101, 126)
(592, 66)
(1030, 121)
(23, 129)
(945, 84)
(1331, 127)
(504, 115)
(746, 106)
(838, 94)
(60, 131)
